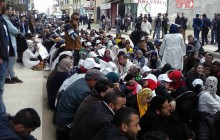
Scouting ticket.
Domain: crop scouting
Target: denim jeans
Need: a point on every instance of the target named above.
(3, 69)
(117, 29)
(10, 70)
(196, 34)
(214, 36)
(157, 32)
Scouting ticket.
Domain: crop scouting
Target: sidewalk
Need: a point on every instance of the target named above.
(208, 48)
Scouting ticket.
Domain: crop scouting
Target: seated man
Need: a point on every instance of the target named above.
(159, 118)
(20, 126)
(124, 126)
(195, 45)
(100, 114)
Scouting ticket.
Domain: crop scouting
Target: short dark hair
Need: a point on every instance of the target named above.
(190, 36)
(157, 102)
(74, 14)
(155, 135)
(112, 96)
(209, 54)
(122, 53)
(27, 117)
(123, 115)
(207, 64)
(216, 63)
(102, 85)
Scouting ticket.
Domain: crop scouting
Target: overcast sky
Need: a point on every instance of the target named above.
(42, 5)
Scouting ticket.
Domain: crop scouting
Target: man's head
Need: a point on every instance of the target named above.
(23, 18)
(145, 19)
(122, 59)
(75, 19)
(26, 121)
(2, 5)
(204, 16)
(207, 66)
(197, 15)
(102, 87)
(209, 57)
(183, 14)
(115, 99)
(160, 106)
(127, 121)
(92, 76)
(190, 39)
(7, 10)
(130, 79)
(216, 67)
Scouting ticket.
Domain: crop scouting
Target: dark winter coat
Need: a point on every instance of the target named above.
(94, 121)
(109, 132)
(174, 128)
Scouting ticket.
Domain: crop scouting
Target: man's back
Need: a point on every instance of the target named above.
(70, 100)
(94, 121)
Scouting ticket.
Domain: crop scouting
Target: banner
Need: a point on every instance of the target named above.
(152, 7)
(184, 4)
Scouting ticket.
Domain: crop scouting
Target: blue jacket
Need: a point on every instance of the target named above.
(197, 23)
(7, 131)
(70, 101)
(13, 31)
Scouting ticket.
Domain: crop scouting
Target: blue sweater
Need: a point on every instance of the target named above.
(7, 131)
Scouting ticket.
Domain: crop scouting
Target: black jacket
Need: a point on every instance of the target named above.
(210, 128)
(174, 128)
(218, 30)
(3, 41)
(109, 132)
(82, 110)
(93, 121)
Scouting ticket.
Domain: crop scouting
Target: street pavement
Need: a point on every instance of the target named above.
(32, 93)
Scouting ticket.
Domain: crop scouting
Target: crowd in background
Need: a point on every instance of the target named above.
(104, 87)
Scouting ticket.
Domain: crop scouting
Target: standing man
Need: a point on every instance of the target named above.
(11, 78)
(146, 26)
(165, 24)
(32, 23)
(214, 29)
(4, 44)
(72, 38)
(197, 25)
(218, 32)
(118, 24)
(158, 24)
(89, 22)
(205, 29)
(23, 26)
(183, 23)
(177, 20)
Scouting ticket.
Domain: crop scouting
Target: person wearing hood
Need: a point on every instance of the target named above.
(173, 48)
(139, 59)
(107, 58)
(56, 81)
(154, 61)
(209, 101)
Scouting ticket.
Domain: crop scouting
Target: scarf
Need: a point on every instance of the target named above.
(107, 58)
(64, 65)
(211, 85)
(144, 93)
(140, 60)
(133, 88)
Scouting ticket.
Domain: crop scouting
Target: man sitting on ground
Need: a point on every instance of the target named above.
(20, 126)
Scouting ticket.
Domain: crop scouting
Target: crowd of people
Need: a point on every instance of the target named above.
(104, 87)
